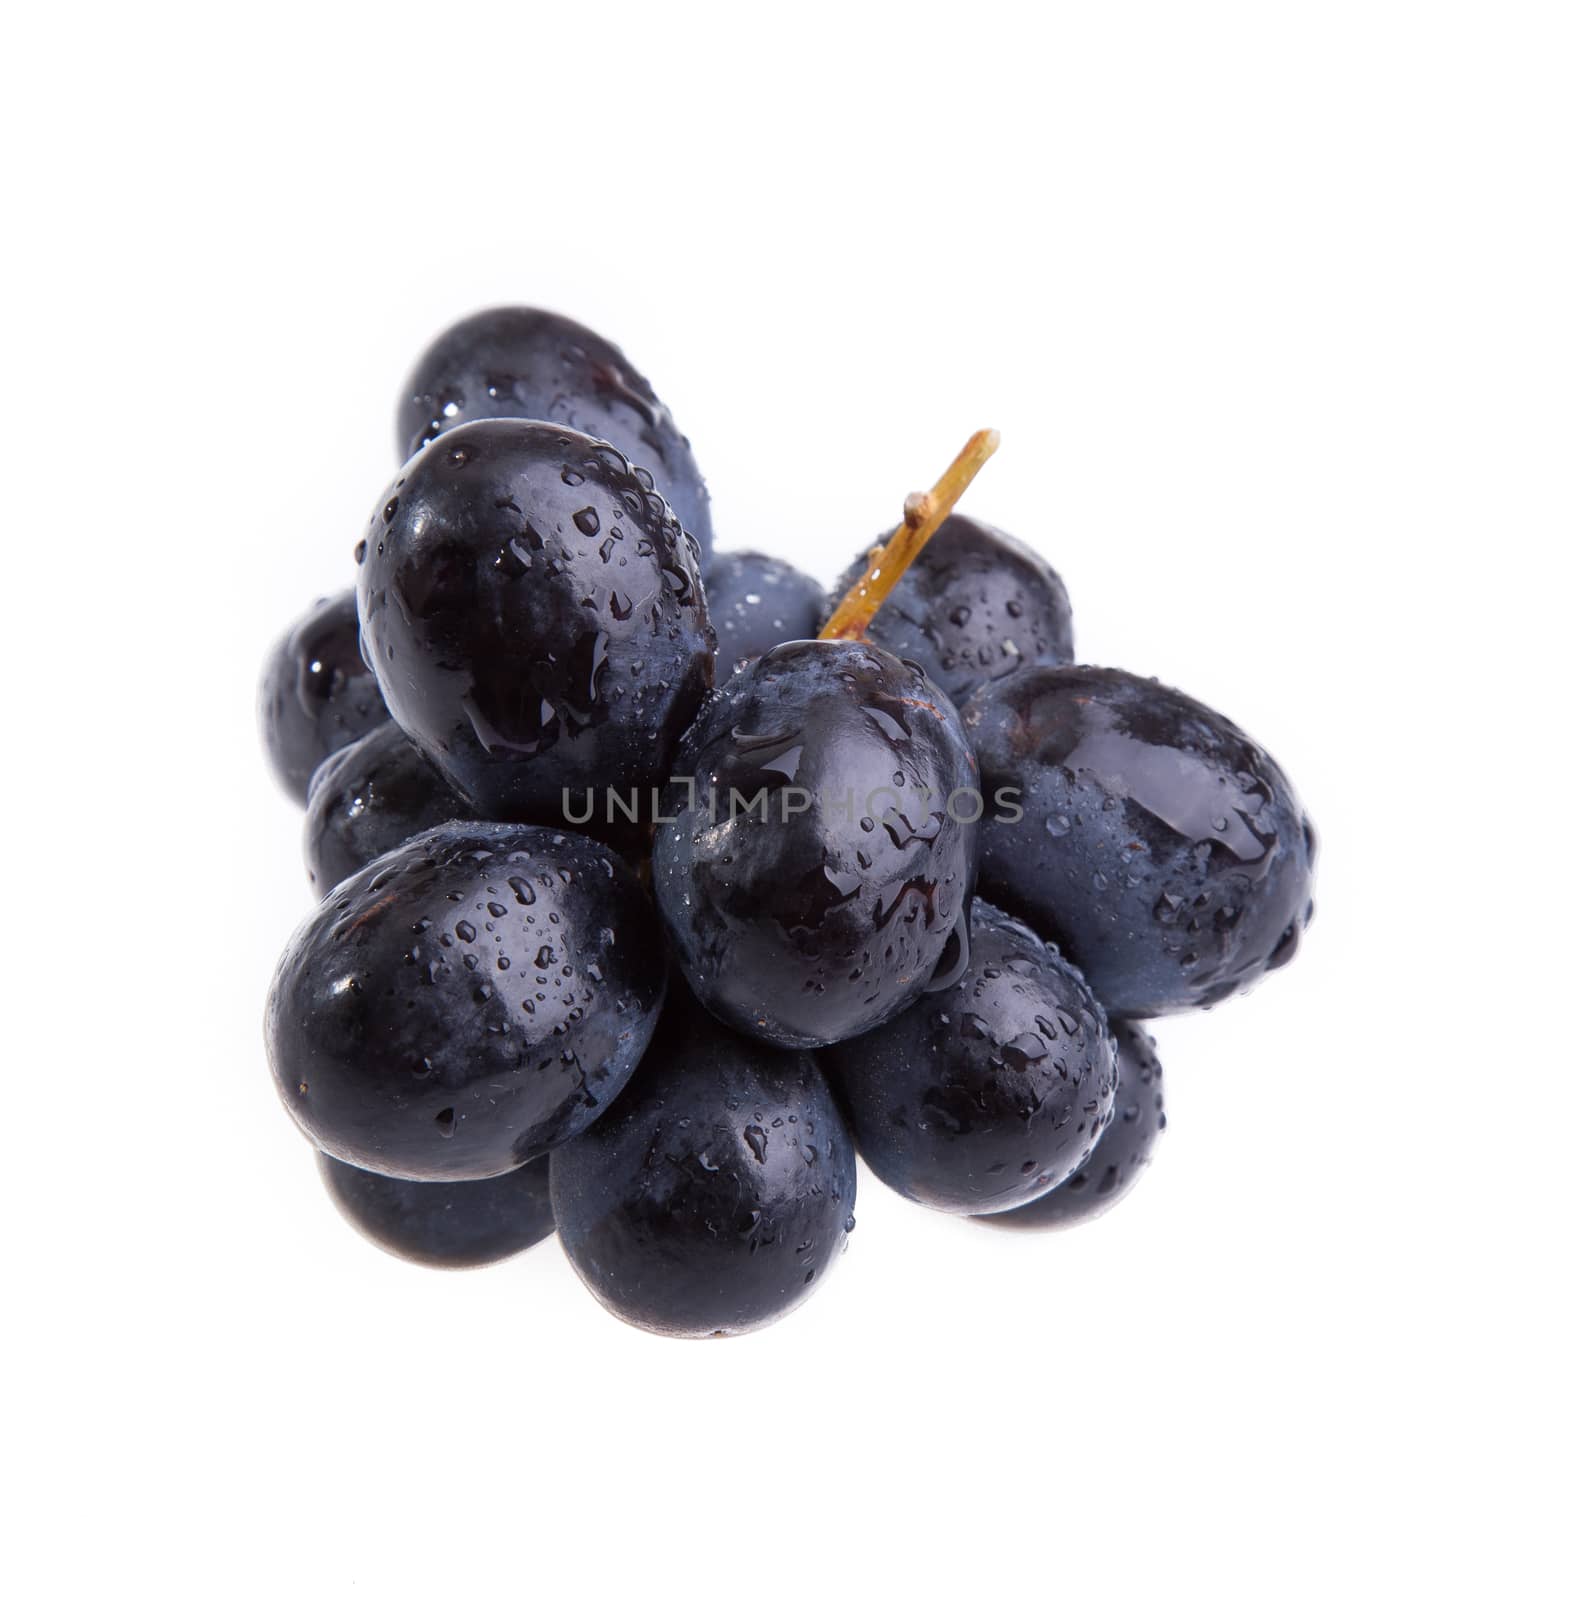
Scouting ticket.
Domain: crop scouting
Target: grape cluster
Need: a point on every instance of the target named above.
(655, 884)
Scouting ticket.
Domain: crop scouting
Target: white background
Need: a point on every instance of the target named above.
(1275, 308)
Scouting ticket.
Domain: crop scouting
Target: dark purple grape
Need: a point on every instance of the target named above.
(317, 695)
(532, 365)
(756, 602)
(466, 1002)
(819, 863)
(1160, 848)
(536, 619)
(445, 1224)
(1122, 1152)
(975, 607)
(719, 1189)
(368, 798)
(989, 1093)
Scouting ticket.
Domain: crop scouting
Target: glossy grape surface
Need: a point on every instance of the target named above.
(718, 1190)
(975, 606)
(317, 695)
(1160, 848)
(1122, 1152)
(805, 926)
(756, 602)
(368, 798)
(535, 617)
(466, 1002)
(444, 1224)
(989, 1093)
(514, 361)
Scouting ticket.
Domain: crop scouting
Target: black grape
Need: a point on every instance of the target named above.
(466, 1002)
(444, 1224)
(1160, 848)
(1122, 1152)
(976, 606)
(819, 866)
(755, 602)
(514, 361)
(368, 798)
(536, 619)
(317, 695)
(718, 1190)
(986, 1094)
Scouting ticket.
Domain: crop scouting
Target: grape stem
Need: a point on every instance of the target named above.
(924, 514)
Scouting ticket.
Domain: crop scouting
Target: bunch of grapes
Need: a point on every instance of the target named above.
(655, 884)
